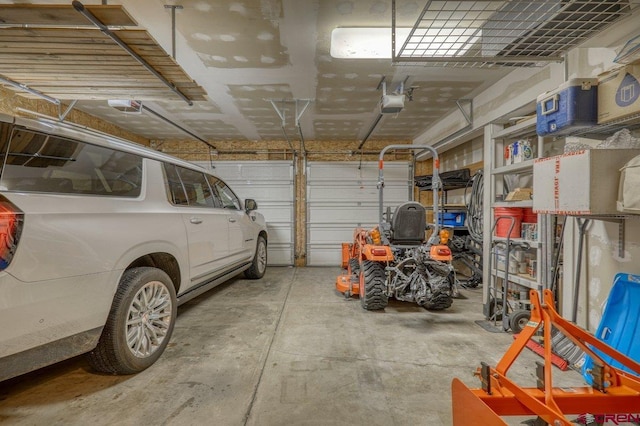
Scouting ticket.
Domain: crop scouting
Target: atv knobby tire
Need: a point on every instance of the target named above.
(439, 302)
(372, 286)
(443, 299)
(354, 265)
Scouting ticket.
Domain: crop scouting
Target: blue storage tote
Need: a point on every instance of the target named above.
(620, 323)
(452, 219)
(572, 106)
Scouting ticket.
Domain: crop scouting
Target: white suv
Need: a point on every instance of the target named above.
(101, 239)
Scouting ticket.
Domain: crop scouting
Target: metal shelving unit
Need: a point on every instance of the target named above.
(497, 282)
(499, 33)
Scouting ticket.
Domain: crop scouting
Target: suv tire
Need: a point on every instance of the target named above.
(259, 264)
(139, 324)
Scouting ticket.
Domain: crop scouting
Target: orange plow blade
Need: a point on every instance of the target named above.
(469, 410)
(615, 395)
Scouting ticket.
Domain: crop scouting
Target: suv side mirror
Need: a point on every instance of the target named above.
(250, 205)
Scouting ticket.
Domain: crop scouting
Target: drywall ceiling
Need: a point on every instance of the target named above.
(247, 53)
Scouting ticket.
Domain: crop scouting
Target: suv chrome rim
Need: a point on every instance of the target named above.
(262, 257)
(148, 319)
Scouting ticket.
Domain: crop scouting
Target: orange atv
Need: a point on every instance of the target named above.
(394, 259)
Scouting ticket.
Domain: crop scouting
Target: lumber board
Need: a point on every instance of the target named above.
(80, 75)
(71, 85)
(43, 14)
(166, 95)
(35, 59)
(84, 73)
(91, 72)
(81, 49)
(128, 35)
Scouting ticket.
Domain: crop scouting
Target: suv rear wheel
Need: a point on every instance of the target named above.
(139, 325)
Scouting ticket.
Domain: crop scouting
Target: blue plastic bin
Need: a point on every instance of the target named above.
(452, 219)
(572, 106)
(620, 323)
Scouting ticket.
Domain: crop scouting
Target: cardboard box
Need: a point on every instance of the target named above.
(579, 183)
(519, 194)
(618, 93)
(572, 106)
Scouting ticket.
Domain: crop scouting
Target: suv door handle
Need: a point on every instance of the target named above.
(195, 220)
(232, 219)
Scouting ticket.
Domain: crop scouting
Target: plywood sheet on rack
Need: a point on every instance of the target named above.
(83, 63)
(41, 14)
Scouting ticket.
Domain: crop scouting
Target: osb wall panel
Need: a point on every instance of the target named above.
(9, 101)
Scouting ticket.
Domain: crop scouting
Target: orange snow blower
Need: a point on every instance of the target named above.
(394, 259)
(614, 394)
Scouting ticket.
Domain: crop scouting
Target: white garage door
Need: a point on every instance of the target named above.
(270, 183)
(343, 196)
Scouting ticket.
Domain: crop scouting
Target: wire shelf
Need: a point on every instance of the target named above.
(515, 33)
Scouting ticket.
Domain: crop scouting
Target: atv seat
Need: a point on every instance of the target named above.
(408, 224)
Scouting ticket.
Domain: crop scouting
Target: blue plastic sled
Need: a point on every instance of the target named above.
(620, 324)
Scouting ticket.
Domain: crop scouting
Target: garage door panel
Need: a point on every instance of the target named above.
(345, 193)
(334, 234)
(343, 196)
(260, 171)
(277, 212)
(323, 171)
(348, 212)
(279, 255)
(325, 256)
(270, 183)
(323, 214)
(279, 233)
(263, 193)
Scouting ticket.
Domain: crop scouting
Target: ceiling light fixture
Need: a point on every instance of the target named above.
(364, 43)
(375, 43)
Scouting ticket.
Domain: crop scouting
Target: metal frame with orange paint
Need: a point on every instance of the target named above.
(500, 396)
(363, 249)
(360, 250)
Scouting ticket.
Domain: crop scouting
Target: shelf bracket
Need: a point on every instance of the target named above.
(621, 228)
(467, 115)
(621, 238)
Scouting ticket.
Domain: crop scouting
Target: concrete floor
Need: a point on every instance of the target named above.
(284, 350)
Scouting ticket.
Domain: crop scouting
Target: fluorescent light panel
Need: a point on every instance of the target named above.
(375, 43)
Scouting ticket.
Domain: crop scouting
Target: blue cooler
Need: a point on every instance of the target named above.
(572, 106)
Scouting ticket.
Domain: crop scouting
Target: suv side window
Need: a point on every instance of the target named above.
(37, 162)
(175, 190)
(197, 188)
(226, 195)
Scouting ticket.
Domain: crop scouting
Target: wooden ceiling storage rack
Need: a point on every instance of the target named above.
(57, 51)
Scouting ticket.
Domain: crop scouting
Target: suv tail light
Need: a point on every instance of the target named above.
(11, 219)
